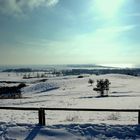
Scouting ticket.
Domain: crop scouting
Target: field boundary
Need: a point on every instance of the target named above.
(41, 111)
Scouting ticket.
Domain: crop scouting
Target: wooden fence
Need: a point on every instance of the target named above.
(41, 111)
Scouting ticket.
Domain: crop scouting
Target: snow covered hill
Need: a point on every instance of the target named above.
(70, 91)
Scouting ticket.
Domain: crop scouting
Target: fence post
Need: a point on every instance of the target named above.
(138, 117)
(41, 116)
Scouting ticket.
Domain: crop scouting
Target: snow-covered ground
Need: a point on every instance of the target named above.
(70, 91)
(10, 131)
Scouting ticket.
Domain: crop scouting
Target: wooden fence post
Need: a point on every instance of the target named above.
(41, 116)
(139, 117)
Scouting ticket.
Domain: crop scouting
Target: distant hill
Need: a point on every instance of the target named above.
(90, 66)
(18, 70)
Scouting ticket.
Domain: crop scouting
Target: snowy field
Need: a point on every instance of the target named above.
(70, 91)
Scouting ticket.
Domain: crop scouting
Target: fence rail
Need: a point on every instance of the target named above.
(41, 111)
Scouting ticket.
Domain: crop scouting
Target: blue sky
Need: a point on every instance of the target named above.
(70, 32)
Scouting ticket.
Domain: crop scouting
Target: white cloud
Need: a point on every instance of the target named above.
(117, 29)
(17, 7)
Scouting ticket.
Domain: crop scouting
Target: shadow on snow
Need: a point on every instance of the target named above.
(87, 131)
